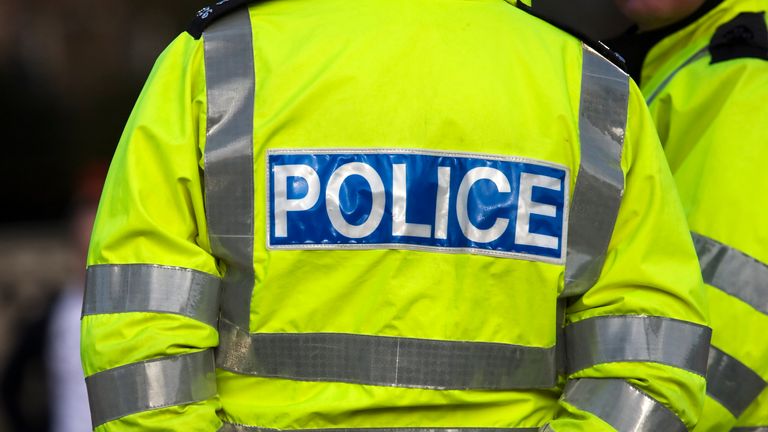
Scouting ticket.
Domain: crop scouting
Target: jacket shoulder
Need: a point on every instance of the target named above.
(745, 36)
(207, 15)
(598, 46)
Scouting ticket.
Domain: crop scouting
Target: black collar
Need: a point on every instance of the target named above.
(634, 45)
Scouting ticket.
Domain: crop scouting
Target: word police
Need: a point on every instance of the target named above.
(449, 202)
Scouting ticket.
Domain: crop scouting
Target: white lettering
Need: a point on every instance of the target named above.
(526, 206)
(462, 205)
(283, 205)
(332, 200)
(401, 227)
(443, 198)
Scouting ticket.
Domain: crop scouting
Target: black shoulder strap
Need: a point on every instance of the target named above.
(745, 36)
(209, 14)
(598, 46)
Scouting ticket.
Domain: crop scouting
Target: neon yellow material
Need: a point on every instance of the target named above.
(431, 83)
(711, 120)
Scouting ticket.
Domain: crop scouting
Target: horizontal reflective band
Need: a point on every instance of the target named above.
(151, 288)
(149, 385)
(385, 361)
(240, 428)
(731, 383)
(733, 272)
(600, 182)
(622, 406)
(637, 339)
(750, 429)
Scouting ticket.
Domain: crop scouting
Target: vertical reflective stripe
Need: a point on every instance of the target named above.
(733, 272)
(600, 182)
(622, 406)
(731, 383)
(637, 339)
(151, 288)
(151, 384)
(229, 162)
(560, 343)
(228, 427)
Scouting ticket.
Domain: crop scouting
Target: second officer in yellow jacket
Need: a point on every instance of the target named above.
(705, 75)
(390, 215)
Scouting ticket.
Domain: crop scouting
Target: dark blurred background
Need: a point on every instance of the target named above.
(70, 71)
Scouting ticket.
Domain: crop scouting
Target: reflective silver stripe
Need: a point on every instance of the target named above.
(733, 272)
(547, 428)
(697, 55)
(228, 176)
(228, 427)
(151, 384)
(622, 406)
(151, 288)
(731, 383)
(750, 429)
(600, 182)
(637, 339)
(385, 361)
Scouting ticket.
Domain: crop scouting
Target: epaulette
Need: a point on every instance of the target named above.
(745, 36)
(209, 14)
(598, 46)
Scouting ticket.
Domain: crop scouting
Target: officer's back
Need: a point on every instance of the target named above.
(389, 195)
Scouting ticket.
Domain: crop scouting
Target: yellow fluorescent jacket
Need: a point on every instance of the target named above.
(371, 214)
(707, 87)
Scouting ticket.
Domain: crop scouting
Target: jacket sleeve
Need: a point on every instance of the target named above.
(636, 340)
(152, 290)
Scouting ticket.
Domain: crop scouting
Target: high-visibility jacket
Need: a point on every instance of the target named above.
(380, 214)
(706, 80)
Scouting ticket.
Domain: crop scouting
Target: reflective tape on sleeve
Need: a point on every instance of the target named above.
(228, 427)
(600, 181)
(151, 288)
(731, 383)
(229, 188)
(151, 384)
(622, 406)
(637, 339)
(733, 272)
(385, 361)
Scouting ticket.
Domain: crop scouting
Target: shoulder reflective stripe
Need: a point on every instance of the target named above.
(228, 427)
(600, 182)
(750, 429)
(731, 383)
(385, 361)
(150, 288)
(622, 406)
(228, 175)
(697, 55)
(547, 428)
(151, 384)
(733, 272)
(637, 339)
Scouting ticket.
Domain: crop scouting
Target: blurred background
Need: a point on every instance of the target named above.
(70, 71)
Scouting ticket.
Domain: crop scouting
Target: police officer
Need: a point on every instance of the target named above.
(390, 215)
(703, 66)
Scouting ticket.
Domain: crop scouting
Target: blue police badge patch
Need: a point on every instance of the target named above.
(412, 199)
